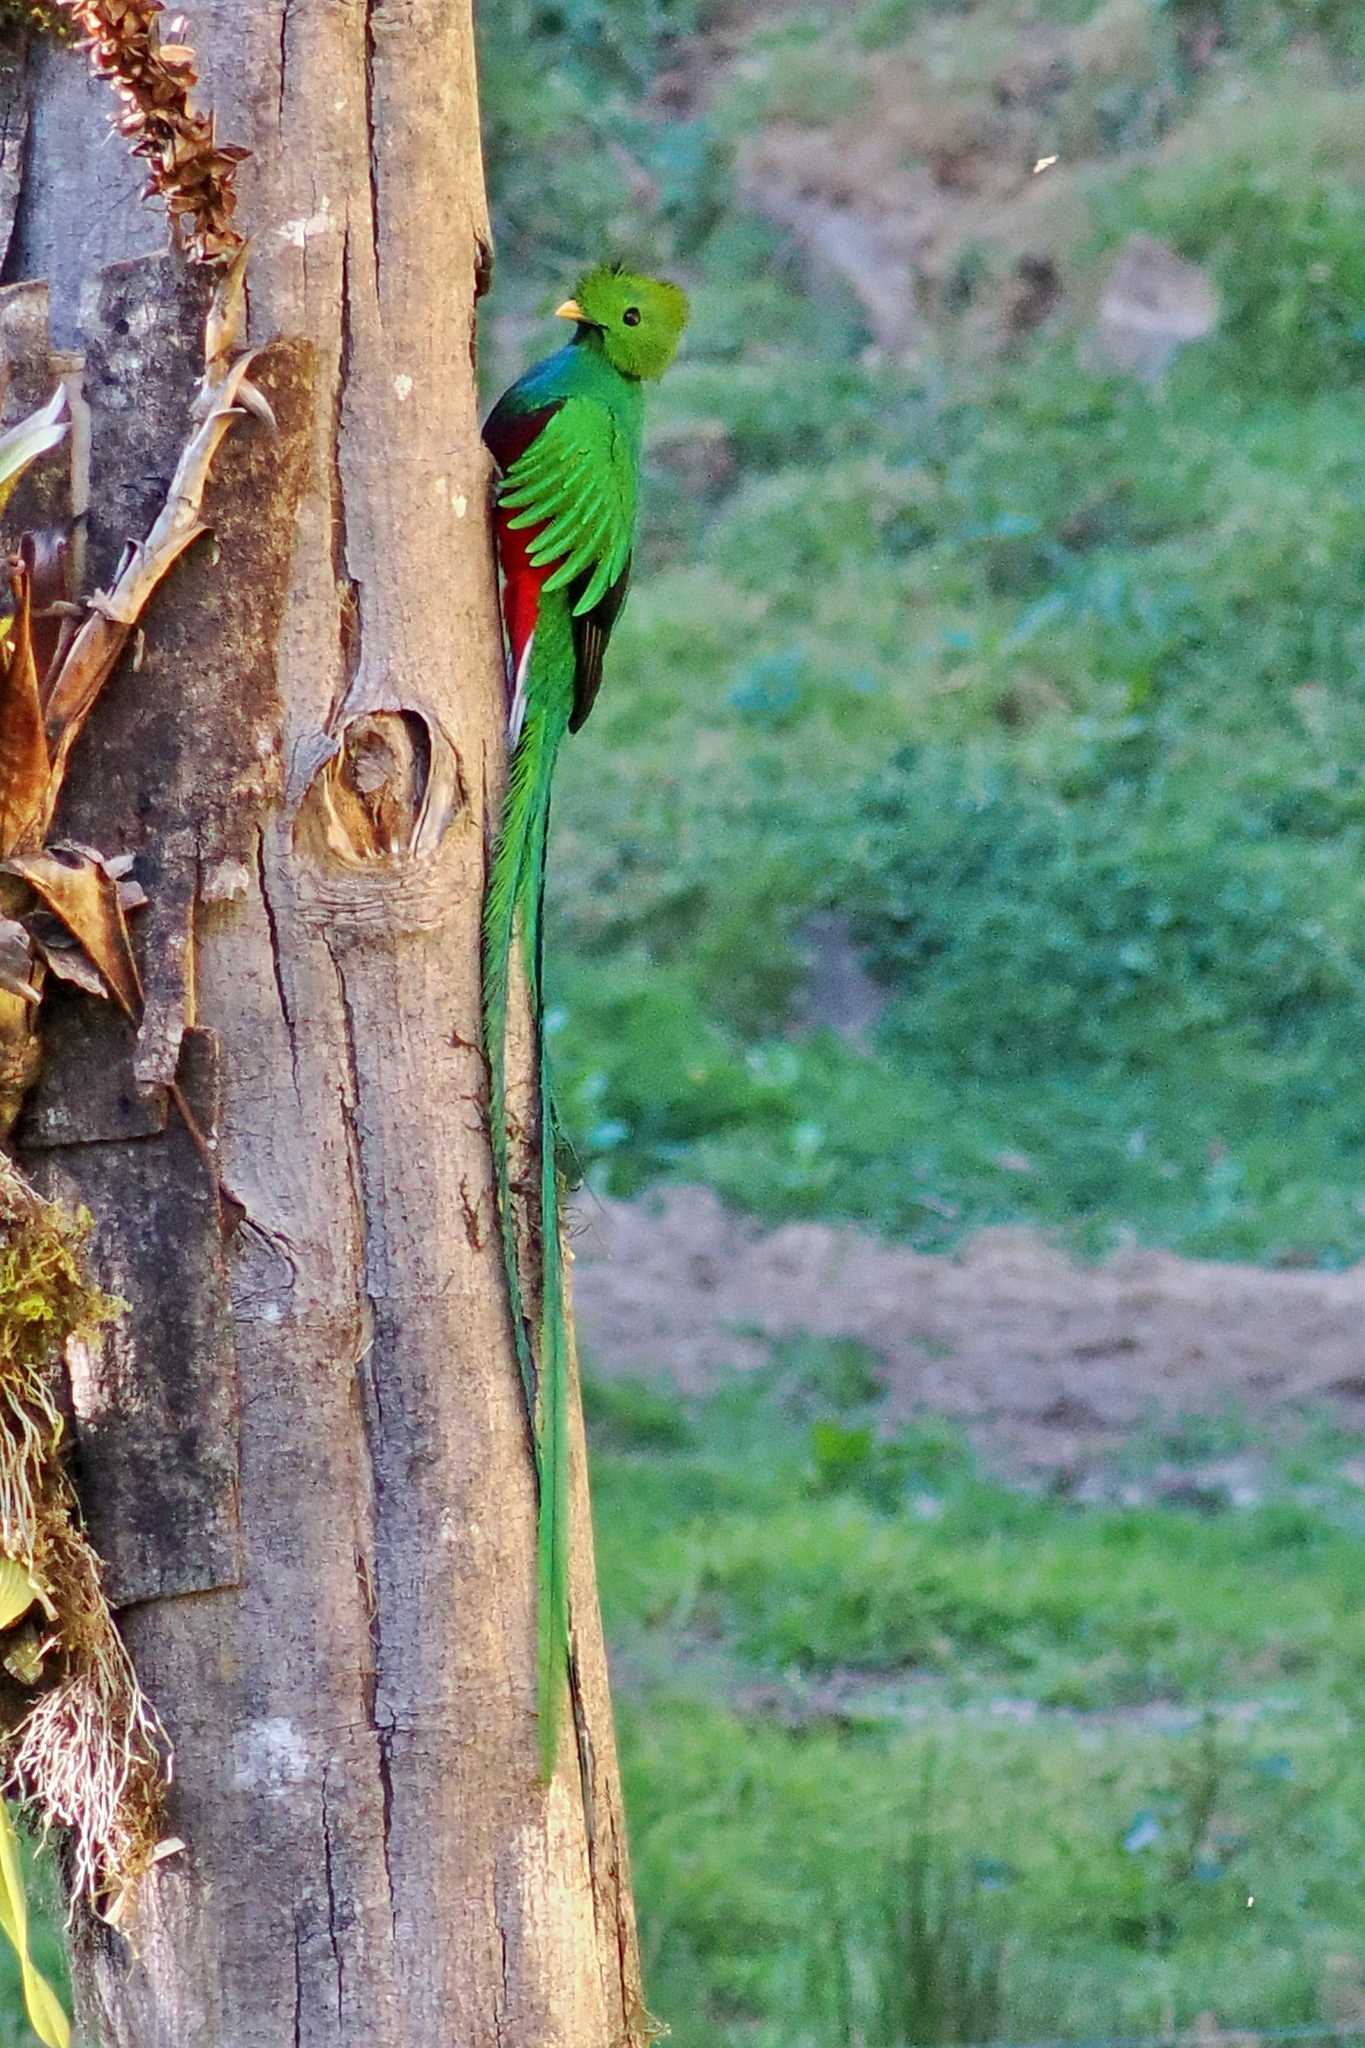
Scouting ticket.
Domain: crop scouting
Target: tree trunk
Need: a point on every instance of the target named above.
(305, 1453)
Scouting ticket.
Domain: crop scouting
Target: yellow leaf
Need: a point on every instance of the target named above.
(45, 2014)
(17, 1591)
(30, 439)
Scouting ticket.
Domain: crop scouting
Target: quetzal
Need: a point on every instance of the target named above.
(566, 441)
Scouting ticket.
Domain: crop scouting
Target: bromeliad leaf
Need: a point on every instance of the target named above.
(17, 1591)
(45, 2014)
(32, 437)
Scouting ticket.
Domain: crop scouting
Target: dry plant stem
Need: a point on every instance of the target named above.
(114, 616)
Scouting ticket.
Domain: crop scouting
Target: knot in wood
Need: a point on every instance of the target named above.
(377, 783)
(381, 800)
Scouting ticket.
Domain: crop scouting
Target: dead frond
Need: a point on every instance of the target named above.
(188, 168)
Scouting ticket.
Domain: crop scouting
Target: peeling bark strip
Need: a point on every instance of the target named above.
(302, 766)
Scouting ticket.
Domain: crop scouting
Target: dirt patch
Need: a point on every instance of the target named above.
(924, 197)
(1049, 1362)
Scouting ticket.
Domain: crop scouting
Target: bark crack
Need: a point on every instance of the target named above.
(381, 1724)
(333, 1929)
(384, 1744)
(12, 263)
(382, 1727)
(630, 1987)
(502, 2003)
(586, 1771)
(298, 1986)
(350, 1092)
(372, 148)
(483, 278)
(349, 625)
(276, 957)
(286, 14)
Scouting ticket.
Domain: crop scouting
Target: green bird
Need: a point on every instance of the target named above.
(566, 440)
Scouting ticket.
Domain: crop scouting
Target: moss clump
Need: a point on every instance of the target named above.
(42, 17)
(46, 1300)
(78, 1742)
(46, 1295)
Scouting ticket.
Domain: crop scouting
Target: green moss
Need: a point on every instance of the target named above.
(40, 16)
(46, 1294)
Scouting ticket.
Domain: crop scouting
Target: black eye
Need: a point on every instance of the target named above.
(631, 316)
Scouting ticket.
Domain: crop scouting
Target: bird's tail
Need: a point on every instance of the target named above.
(526, 795)
(516, 893)
(552, 1419)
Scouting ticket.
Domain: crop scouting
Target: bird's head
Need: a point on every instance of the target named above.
(639, 319)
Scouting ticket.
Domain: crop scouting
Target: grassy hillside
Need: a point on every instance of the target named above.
(1039, 689)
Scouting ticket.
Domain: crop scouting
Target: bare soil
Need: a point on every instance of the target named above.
(1049, 1363)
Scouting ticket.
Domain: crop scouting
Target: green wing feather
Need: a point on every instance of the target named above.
(579, 475)
(577, 481)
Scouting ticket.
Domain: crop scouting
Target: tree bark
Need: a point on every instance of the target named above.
(305, 1452)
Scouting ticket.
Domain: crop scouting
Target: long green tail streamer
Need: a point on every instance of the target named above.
(515, 899)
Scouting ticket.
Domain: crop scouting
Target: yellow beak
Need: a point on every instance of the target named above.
(570, 310)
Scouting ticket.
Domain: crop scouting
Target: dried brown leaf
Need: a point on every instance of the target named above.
(16, 960)
(68, 961)
(45, 556)
(24, 764)
(75, 885)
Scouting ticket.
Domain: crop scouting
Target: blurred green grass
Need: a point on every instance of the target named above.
(1134, 1719)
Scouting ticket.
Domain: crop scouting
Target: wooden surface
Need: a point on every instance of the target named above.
(342, 1647)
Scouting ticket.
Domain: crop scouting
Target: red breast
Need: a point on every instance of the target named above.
(521, 581)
